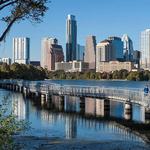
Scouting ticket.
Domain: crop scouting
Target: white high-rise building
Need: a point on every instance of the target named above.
(21, 50)
(145, 49)
(127, 48)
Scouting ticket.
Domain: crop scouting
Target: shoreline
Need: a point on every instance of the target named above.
(46, 143)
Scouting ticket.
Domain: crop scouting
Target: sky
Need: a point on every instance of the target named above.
(101, 18)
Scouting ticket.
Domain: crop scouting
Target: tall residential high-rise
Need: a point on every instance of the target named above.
(21, 50)
(145, 49)
(117, 47)
(71, 38)
(51, 52)
(80, 52)
(127, 48)
(90, 52)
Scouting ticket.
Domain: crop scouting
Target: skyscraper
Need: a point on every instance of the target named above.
(104, 51)
(145, 49)
(90, 51)
(117, 47)
(21, 50)
(80, 52)
(51, 52)
(127, 48)
(71, 38)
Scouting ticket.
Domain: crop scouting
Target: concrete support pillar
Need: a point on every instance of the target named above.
(7, 86)
(128, 110)
(147, 113)
(17, 88)
(25, 91)
(14, 87)
(107, 107)
(11, 87)
(37, 94)
(43, 99)
(61, 103)
(82, 105)
(49, 101)
(20, 89)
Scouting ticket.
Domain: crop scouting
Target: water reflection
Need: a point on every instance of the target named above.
(57, 117)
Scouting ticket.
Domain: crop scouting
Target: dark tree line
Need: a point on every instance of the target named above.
(29, 72)
(21, 71)
(122, 75)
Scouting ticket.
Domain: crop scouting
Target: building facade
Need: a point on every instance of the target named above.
(21, 50)
(104, 51)
(136, 58)
(6, 60)
(145, 49)
(51, 52)
(90, 52)
(35, 63)
(80, 52)
(72, 66)
(127, 48)
(71, 38)
(117, 43)
(114, 65)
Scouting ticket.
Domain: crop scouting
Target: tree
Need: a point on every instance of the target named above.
(18, 10)
(134, 76)
(9, 125)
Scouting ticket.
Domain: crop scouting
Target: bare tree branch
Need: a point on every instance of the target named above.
(4, 1)
(32, 10)
(7, 4)
(7, 29)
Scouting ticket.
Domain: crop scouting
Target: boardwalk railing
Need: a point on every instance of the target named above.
(132, 95)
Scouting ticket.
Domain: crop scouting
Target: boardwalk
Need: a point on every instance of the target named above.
(123, 95)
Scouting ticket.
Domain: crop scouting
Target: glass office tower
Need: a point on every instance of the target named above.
(71, 37)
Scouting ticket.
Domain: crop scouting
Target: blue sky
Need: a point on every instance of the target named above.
(102, 18)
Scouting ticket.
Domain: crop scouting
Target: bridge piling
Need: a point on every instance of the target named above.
(128, 110)
(82, 105)
(107, 107)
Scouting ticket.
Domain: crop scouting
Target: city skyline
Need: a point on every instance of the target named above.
(101, 24)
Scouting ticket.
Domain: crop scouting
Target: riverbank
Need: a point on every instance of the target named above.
(139, 128)
(45, 143)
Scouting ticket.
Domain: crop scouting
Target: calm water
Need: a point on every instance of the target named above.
(115, 83)
(67, 117)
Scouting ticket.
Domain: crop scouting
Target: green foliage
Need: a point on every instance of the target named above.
(18, 10)
(29, 72)
(9, 125)
(21, 71)
(90, 75)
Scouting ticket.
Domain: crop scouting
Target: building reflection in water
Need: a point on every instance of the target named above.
(20, 106)
(72, 125)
